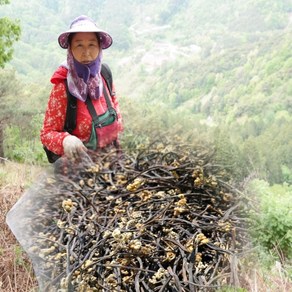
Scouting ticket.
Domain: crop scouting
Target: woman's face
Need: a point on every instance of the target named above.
(85, 47)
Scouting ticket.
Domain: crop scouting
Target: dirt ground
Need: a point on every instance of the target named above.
(16, 272)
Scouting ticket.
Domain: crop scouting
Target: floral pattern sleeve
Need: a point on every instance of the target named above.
(52, 133)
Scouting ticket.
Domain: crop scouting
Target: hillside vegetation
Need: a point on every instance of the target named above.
(214, 73)
(208, 65)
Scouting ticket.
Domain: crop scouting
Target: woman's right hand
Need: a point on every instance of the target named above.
(73, 146)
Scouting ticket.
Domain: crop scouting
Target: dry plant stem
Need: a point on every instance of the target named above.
(159, 222)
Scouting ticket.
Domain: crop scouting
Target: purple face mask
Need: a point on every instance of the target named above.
(88, 70)
(84, 80)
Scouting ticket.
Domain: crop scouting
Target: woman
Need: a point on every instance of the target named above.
(81, 76)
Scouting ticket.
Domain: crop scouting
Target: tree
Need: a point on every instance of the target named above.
(9, 90)
(9, 33)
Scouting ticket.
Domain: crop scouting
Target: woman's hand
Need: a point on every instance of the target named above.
(73, 147)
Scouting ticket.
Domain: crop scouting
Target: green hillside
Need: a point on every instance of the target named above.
(213, 74)
(213, 68)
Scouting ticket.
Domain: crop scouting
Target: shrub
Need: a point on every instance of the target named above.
(24, 146)
(272, 218)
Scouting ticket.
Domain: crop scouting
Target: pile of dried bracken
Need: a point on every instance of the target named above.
(164, 219)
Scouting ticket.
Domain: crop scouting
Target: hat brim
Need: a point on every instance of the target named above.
(105, 39)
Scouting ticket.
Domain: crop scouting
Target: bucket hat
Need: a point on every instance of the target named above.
(85, 24)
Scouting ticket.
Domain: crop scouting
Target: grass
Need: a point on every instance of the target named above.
(259, 279)
(16, 273)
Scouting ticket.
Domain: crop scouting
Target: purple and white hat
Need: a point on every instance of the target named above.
(85, 24)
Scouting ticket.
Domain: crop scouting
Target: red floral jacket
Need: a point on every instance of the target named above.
(52, 133)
